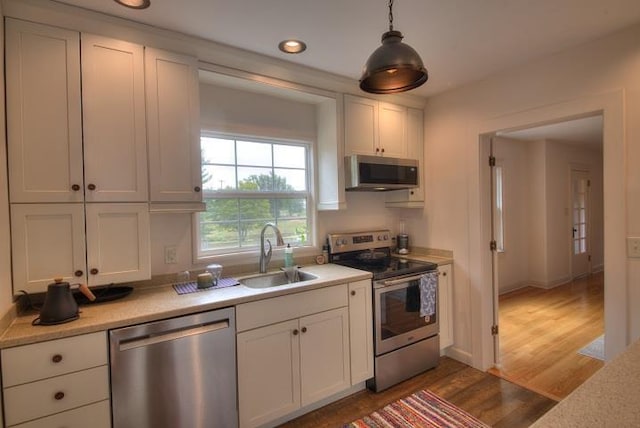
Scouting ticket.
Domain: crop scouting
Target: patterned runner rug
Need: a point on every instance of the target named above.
(420, 410)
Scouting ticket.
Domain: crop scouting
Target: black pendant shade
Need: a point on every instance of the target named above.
(394, 66)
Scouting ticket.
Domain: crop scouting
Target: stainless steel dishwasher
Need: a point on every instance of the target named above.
(179, 372)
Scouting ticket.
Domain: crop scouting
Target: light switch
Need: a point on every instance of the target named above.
(633, 247)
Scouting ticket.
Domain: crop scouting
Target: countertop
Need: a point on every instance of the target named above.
(155, 303)
(608, 399)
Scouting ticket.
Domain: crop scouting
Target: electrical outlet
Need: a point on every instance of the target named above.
(633, 247)
(170, 255)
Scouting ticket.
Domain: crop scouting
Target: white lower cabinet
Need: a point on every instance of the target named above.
(49, 384)
(445, 305)
(291, 363)
(361, 330)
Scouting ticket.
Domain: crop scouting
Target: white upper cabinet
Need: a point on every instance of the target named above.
(118, 243)
(44, 124)
(50, 122)
(412, 198)
(392, 127)
(115, 140)
(47, 242)
(173, 123)
(374, 128)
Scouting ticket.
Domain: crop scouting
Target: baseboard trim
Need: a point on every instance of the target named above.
(514, 287)
(459, 355)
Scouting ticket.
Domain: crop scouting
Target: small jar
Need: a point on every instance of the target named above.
(216, 272)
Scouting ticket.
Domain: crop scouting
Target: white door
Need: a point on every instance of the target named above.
(173, 124)
(118, 243)
(324, 354)
(115, 136)
(47, 242)
(580, 230)
(268, 373)
(44, 127)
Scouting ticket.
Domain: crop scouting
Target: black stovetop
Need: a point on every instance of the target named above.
(381, 263)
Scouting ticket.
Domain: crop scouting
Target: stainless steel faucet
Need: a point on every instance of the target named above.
(266, 258)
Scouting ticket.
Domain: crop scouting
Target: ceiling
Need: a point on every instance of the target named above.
(460, 41)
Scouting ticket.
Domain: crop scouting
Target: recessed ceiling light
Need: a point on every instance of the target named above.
(135, 4)
(292, 46)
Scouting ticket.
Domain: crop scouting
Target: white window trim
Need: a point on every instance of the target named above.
(251, 254)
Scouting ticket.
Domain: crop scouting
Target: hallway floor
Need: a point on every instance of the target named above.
(541, 332)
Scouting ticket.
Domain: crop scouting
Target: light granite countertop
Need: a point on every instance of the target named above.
(159, 302)
(610, 398)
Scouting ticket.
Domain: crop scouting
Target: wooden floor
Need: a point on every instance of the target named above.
(541, 332)
(496, 402)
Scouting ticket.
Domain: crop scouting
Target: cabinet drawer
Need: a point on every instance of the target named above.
(46, 397)
(277, 309)
(28, 363)
(96, 415)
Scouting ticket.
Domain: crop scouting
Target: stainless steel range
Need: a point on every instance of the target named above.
(405, 343)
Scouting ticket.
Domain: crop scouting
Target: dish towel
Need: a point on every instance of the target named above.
(428, 293)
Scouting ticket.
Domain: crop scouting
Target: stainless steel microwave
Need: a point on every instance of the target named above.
(377, 173)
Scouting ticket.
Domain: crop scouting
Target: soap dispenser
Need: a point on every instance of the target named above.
(288, 256)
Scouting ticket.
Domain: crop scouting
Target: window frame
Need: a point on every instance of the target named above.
(237, 254)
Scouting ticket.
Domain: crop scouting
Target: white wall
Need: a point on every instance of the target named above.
(538, 210)
(238, 111)
(601, 74)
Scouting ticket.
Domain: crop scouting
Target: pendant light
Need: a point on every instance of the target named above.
(394, 66)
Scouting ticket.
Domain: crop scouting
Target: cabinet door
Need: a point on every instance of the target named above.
(173, 121)
(393, 130)
(445, 305)
(412, 198)
(118, 243)
(268, 373)
(115, 139)
(44, 127)
(47, 242)
(361, 331)
(324, 354)
(360, 126)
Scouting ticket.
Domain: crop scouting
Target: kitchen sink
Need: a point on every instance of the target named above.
(274, 279)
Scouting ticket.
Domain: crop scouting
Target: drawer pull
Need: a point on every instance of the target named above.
(303, 329)
(353, 292)
(59, 395)
(91, 186)
(295, 332)
(94, 271)
(56, 358)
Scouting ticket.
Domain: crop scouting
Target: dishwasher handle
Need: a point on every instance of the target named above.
(166, 336)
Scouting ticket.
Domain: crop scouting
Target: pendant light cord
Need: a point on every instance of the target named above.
(390, 15)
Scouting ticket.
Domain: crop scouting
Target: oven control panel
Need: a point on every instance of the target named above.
(343, 242)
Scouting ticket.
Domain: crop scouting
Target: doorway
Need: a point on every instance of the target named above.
(542, 192)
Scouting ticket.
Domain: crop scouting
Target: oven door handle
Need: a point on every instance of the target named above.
(391, 282)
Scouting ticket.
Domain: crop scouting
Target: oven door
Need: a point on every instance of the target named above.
(397, 314)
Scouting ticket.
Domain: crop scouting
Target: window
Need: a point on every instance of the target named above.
(498, 207)
(247, 183)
